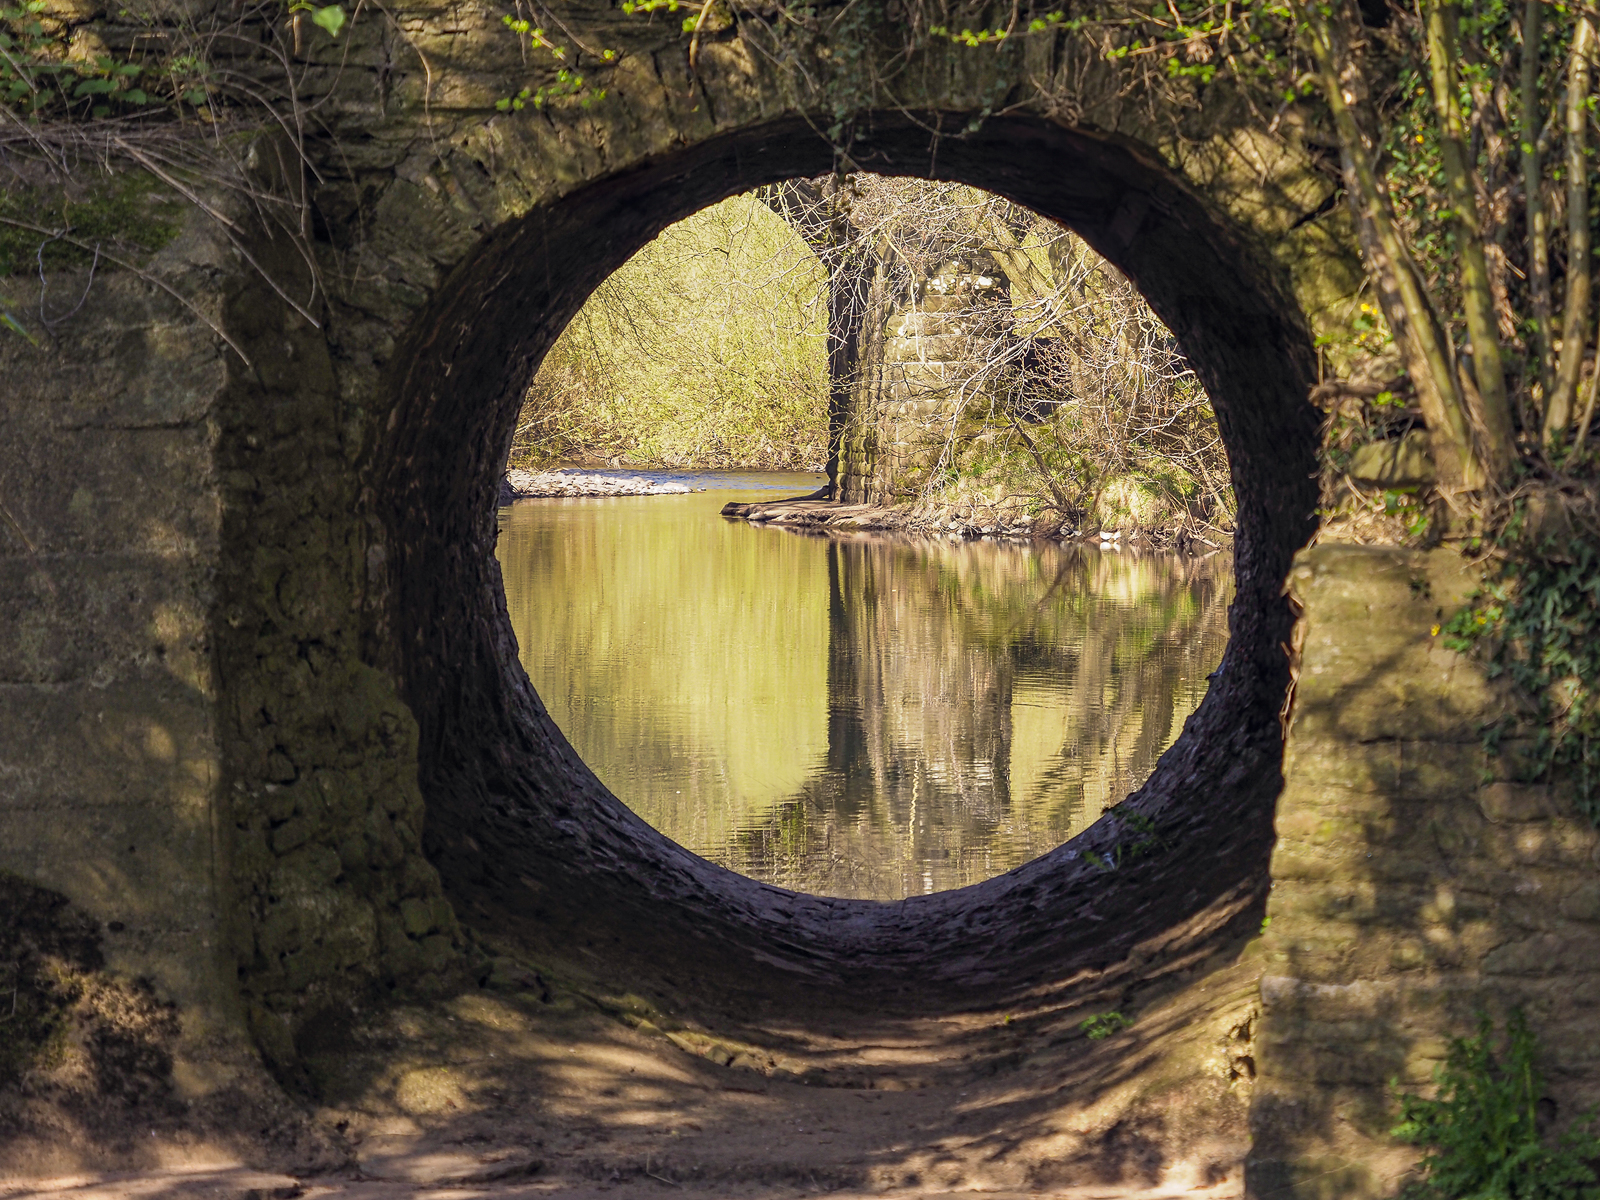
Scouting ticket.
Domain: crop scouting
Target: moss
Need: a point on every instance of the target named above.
(126, 213)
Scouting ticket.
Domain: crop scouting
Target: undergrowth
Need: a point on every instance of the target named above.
(1536, 621)
(1483, 1131)
(1149, 841)
(1103, 1025)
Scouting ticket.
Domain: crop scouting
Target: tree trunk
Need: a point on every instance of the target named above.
(1533, 195)
(1575, 318)
(1492, 413)
(1418, 332)
(849, 260)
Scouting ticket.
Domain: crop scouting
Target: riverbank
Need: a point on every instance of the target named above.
(1126, 517)
(1183, 535)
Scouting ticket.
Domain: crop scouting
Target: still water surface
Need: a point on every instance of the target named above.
(871, 715)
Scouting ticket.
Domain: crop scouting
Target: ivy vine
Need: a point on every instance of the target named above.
(1536, 621)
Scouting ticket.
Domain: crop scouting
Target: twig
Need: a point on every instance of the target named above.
(1049, 479)
(12, 521)
(141, 273)
(44, 285)
(188, 194)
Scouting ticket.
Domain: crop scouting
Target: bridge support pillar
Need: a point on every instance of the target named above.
(111, 780)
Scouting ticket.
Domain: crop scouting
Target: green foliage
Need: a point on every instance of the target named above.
(123, 211)
(1103, 1025)
(568, 81)
(37, 76)
(706, 348)
(49, 77)
(988, 37)
(330, 17)
(43, 75)
(1482, 1129)
(1147, 841)
(1537, 622)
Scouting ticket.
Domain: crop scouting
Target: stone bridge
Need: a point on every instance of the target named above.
(264, 725)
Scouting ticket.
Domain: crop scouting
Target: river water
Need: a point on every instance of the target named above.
(871, 715)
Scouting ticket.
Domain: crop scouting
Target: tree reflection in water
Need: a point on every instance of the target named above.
(870, 716)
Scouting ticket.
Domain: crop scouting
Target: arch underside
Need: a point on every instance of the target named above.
(527, 839)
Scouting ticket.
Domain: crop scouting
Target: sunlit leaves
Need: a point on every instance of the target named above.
(708, 345)
(567, 83)
(331, 18)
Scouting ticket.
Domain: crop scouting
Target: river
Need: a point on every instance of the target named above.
(872, 715)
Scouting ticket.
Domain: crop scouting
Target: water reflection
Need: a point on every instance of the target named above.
(867, 716)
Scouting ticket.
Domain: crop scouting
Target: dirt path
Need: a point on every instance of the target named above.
(236, 1183)
(548, 1082)
(553, 1086)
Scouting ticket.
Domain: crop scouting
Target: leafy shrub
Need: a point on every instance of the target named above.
(1482, 1130)
(1538, 619)
(707, 348)
(1102, 1025)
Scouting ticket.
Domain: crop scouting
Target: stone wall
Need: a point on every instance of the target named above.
(1414, 883)
(192, 750)
(111, 528)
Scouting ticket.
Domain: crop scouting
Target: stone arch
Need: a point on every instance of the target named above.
(520, 829)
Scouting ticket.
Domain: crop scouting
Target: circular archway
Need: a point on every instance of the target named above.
(528, 840)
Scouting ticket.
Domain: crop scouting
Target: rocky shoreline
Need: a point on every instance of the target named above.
(528, 485)
(806, 512)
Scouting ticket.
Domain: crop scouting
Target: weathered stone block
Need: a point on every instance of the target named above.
(138, 741)
(130, 491)
(1516, 802)
(416, 916)
(955, 348)
(1582, 903)
(1413, 694)
(1399, 462)
(1312, 766)
(1415, 885)
(148, 866)
(65, 619)
(1547, 954)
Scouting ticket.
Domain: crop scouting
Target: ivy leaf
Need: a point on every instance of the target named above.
(331, 18)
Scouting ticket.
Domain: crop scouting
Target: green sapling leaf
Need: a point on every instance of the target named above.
(331, 18)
